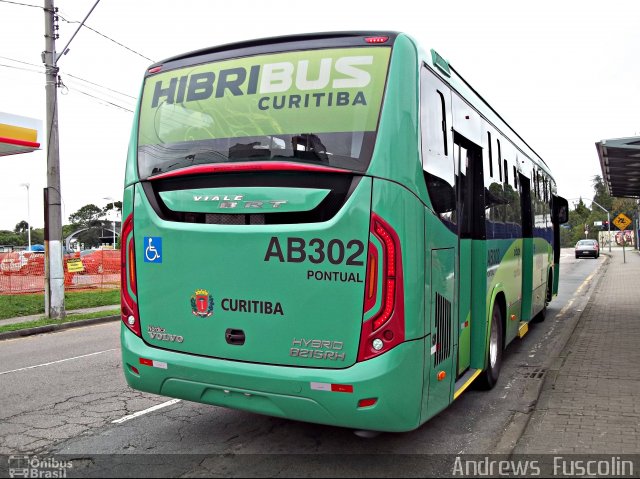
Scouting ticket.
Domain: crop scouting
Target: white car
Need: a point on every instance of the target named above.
(587, 247)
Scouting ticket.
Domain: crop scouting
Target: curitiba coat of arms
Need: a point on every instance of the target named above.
(202, 303)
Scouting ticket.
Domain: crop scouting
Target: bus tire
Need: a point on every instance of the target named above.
(542, 315)
(489, 376)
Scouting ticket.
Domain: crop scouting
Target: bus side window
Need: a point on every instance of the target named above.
(437, 165)
(490, 154)
(443, 113)
(506, 173)
(499, 160)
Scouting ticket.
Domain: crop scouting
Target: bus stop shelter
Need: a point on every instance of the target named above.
(620, 164)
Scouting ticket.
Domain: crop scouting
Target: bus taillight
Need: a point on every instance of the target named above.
(371, 293)
(130, 316)
(385, 329)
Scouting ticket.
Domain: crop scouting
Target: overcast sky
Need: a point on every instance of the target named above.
(564, 74)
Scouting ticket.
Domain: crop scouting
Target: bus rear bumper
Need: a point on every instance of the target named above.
(314, 395)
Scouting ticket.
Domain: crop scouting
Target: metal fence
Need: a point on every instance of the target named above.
(23, 271)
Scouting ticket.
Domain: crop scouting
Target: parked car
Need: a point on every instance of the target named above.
(587, 247)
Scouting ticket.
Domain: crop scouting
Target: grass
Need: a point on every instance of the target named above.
(28, 304)
(68, 319)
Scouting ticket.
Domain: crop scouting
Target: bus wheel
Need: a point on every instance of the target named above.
(542, 315)
(489, 377)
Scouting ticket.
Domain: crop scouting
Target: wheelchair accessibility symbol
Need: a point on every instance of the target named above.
(152, 249)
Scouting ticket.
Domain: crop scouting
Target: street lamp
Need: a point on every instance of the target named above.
(26, 185)
(113, 221)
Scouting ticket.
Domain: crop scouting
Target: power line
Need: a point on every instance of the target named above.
(118, 43)
(107, 96)
(101, 86)
(102, 100)
(107, 37)
(21, 4)
(68, 74)
(20, 68)
(20, 61)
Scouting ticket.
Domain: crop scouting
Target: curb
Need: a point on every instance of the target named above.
(50, 328)
(518, 423)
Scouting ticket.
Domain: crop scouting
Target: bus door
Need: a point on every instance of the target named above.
(471, 250)
(527, 246)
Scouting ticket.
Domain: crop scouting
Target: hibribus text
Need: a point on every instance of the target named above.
(273, 78)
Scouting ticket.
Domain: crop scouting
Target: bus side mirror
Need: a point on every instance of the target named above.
(560, 210)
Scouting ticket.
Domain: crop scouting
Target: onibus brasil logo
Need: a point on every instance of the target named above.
(202, 303)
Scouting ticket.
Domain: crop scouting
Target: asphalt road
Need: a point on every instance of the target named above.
(64, 393)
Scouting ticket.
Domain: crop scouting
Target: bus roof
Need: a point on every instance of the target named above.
(275, 44)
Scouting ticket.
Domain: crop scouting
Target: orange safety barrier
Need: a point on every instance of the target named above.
(23, 271)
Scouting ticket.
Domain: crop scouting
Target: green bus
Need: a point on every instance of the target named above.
(333, 228)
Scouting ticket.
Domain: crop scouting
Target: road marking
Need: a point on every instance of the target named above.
(56, 362)
(584, 283)
(140, 413)
(575, 295)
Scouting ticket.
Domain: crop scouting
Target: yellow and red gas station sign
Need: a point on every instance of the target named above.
(19, 134)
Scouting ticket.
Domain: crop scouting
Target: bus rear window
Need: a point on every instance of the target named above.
(316, 106)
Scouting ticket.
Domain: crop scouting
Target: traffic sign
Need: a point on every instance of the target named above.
(622, 221)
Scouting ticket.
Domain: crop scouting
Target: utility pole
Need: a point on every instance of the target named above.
(54, 268)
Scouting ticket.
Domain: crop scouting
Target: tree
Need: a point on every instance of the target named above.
(602, 196)
(88, 216)
(9, 238)
(37, 235)
(578, 218)
(91, 217)
(21, 227)
(581, 209)
(110, 206)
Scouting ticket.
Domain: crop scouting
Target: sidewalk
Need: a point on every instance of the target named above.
(37, 317)
(590, 400)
